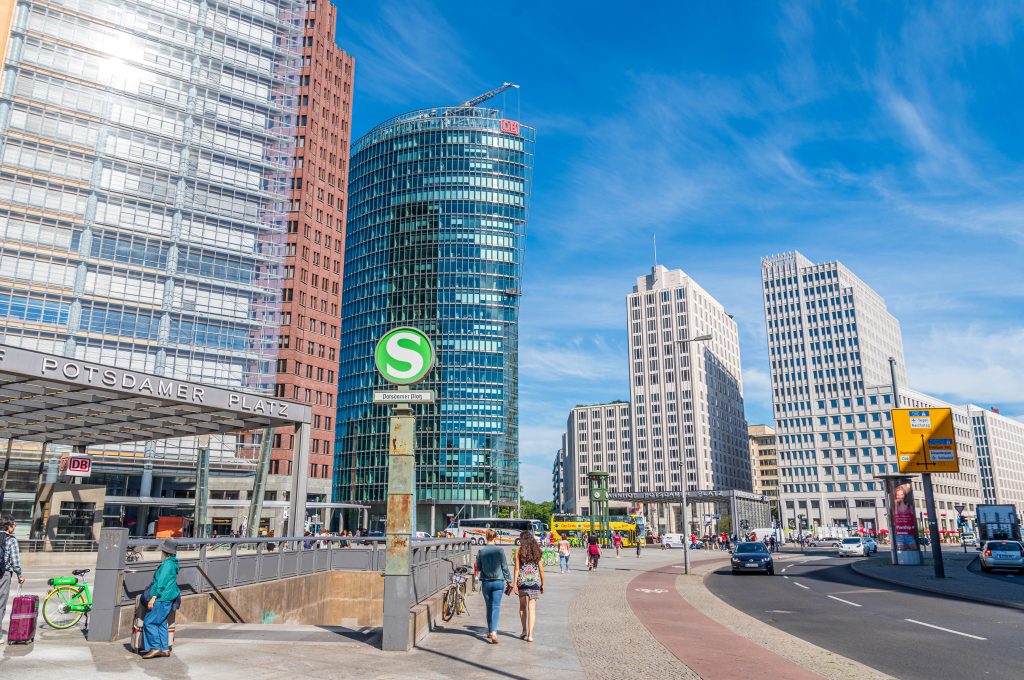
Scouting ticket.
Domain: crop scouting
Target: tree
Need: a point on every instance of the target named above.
(539, 511)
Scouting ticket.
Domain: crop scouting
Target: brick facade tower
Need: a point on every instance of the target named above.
(311, 300)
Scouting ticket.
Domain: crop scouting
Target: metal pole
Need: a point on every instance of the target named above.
(202, 487)
(39, 491)
(7, 466)
(888, 487)
(686, 538)
(398, 586)
(259, 484)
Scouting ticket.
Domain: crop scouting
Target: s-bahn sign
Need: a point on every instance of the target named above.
(404, 356)
(678, 496)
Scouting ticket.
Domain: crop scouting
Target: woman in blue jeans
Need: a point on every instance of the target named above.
(492, 565)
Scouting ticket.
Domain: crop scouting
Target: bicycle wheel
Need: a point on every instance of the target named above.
(448, 607)
(56, 610)
(460, 602)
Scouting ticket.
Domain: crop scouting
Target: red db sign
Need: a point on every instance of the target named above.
(510, 126)
(79, 466)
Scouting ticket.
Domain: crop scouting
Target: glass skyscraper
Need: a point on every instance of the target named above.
(436, 229)
(145, 153)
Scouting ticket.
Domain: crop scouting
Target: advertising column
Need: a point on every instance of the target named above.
(900, 494)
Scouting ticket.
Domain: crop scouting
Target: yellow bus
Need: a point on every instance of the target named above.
(573, 527)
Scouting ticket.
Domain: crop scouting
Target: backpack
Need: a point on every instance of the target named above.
(594, 549)
(4, 538)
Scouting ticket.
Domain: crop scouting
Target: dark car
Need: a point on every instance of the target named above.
(752, 556)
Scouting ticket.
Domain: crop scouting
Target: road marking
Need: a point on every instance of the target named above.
(954, 632)
(800, 585)
(785, 577)
(839, 599)
(656, 591)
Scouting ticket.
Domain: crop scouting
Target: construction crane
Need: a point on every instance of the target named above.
(487, 95)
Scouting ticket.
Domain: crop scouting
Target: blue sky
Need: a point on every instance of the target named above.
(884, 135)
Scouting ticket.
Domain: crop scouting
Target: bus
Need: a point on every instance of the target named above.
(572, 527)
(508, 529)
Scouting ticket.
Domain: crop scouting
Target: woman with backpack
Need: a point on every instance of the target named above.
(529, 581)
(593, 553)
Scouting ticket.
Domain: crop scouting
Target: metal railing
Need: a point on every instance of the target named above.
(56, 545)
(212, 565)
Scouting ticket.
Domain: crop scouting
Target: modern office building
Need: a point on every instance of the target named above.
(558, 479)
(686, 390)
(145, 157)
(764, 460)
(999, 442)
(307, 360)
(830, 338)
(598, 438)
(436, 229)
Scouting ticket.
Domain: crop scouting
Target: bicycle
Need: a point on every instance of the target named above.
(132, 555)
(454, 601)
(67, 601)
(549, 557)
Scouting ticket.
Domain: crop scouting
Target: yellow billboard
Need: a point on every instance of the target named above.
(925, 440)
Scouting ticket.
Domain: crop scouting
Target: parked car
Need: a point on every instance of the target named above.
(752, 556)
(872, 546)
(1002, 555)
(971, 540)
(673, 540)
(829, 542)
(854, 546)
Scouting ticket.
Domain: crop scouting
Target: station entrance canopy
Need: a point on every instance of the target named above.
(60, 400)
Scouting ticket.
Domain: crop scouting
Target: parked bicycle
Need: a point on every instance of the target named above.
(68, 601)
(454, 601)
(549, 557)
(132, 555)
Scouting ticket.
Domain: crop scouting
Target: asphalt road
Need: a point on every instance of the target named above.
(908, 634)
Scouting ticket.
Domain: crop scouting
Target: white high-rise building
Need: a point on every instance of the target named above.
(597, 438)
(830, 338)
(1000, 445)
(687, 396)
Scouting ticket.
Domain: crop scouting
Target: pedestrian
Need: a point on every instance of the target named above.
(593, 553)
(617, 542)
(639, 540)
(564, 552)
(492, 565)
(771, 543)
(10, 564)
(529, 582)
(163, 591)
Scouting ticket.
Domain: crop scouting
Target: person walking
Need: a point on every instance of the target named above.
(639, 541)
(529, 583)
(617, 542)
(564, 552)
(163, 591)
(10, 564)
(492, 565)
(593, 553)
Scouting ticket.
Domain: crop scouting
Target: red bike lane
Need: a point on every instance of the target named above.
(713, 651)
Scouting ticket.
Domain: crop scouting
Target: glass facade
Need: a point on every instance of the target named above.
(436, 231)
(145, 158)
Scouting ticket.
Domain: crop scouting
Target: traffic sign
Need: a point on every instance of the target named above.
(959, 507)
(404, 356)
(398, 397)
(925, 440)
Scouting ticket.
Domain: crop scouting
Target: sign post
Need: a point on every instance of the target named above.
(926, 443)
(403, 356)
(960, 507)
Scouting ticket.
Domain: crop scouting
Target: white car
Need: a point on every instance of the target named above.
(1002, 555)
(673, 540)
(854, 546)
(872, 546)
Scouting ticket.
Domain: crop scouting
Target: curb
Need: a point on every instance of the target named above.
(938, 591)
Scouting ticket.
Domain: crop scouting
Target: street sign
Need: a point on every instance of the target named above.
(77, 466)
(959, 507)
(404, 356)
(396, 397)
(925, 440)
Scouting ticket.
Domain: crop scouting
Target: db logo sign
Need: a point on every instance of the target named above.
(510, 126)
(78, 466)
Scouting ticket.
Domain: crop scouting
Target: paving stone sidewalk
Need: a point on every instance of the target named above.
(963, 579)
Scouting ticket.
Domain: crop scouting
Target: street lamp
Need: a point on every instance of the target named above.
(686, 531)
(685, 343)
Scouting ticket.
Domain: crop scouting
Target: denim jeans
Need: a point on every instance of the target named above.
(563, 563)
(493, 592)
(154, 629)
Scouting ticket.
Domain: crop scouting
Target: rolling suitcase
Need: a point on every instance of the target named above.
(24, 618)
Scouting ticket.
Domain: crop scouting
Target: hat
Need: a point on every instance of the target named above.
(169, 546)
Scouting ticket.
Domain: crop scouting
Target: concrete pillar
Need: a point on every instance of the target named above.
(110, 562)
(7, 466)
(398, 584)
(202, 488)
(145, 489)
(39, 492)
(300, 478)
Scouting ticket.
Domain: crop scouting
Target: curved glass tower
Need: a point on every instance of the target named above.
(436, 228)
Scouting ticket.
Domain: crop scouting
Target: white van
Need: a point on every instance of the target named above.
(761, 534)
(673, 540)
